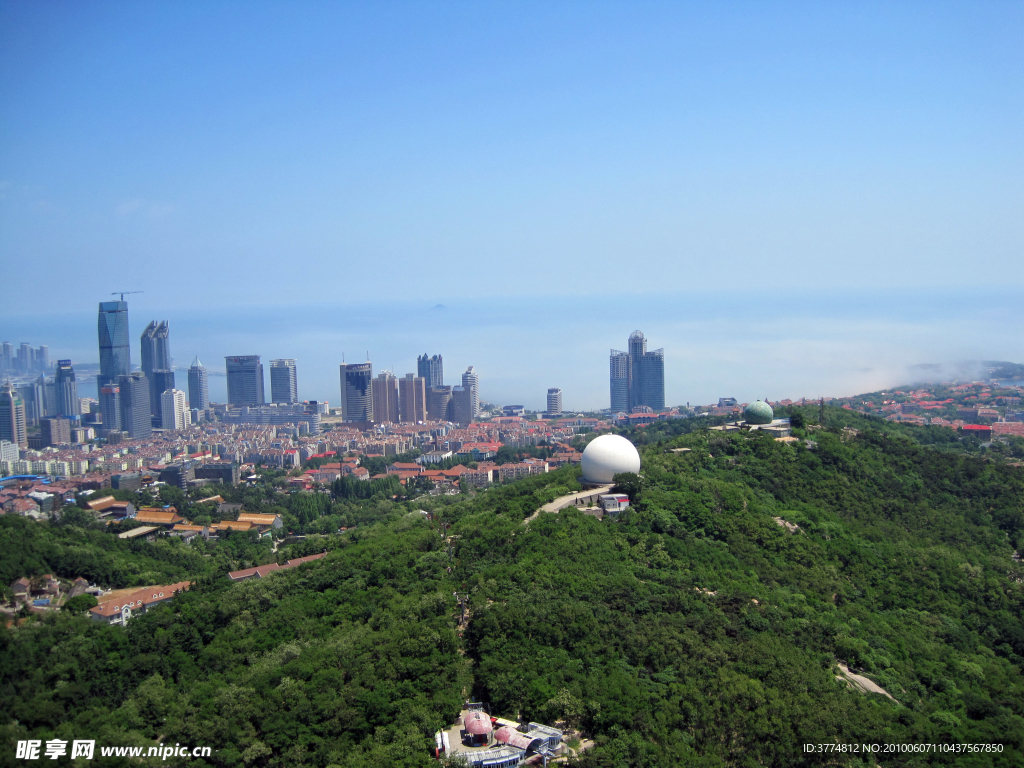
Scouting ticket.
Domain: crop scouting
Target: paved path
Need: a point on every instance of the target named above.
(582, 498)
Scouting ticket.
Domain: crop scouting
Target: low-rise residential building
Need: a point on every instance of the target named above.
(119, 606)
(263, 571)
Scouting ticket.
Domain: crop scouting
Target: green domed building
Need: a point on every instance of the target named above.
(758, 412)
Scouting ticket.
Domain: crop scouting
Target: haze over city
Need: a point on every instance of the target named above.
(791, 200)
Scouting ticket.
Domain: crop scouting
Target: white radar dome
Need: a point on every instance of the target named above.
(607, 456)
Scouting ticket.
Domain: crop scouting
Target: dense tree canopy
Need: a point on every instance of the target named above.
(704, 626)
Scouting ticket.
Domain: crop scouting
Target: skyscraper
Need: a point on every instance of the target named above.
(173, 411)
(50, 403)
(460, 407)
(110, 409)
(66, 390)
(115, 352)
(156, 347)
(12, 417)
(413, 398)
(554, 401)
(160, 381)
(55, 431)
(619, 371)
(25, 357)
(198, 385)
(471, 381)
(650, 390)
(136, 417)
(438, 399)
(637, 377)
(356, 392)
(431, 370)
(284, 384)
(33, 395)
(385, 398)
(156, 364)
(245, 380)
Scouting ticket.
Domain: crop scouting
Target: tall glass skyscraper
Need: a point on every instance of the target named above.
(136, 416)
(618, 363)
(66, 389)
(356, 392)
(156, 364)
(156, 347)
(245, 380)
(115, 351)
(284, 385)
(431, 370)
(198, 385)
(637, 377)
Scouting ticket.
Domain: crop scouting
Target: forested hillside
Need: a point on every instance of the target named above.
(696, 629)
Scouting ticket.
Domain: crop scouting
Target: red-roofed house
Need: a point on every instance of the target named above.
(121, 608)
(1015, 428)
(262, 571)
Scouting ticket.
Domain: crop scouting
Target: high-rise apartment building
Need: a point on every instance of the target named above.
(115, 351)
(12, 417)
(245, 380)
(356, 392)
(66, 390)
(55, 431)
(650, 391)
(431, 370)
(284, 383)
(637, 377)
(460, 407)
(554, 401)
(471, 381)
(174, 414)
(619, 371)
(110, 409)
(438, 399)
(413, 399)
(385, 398)
(198, 385)
(25, 357)
(136, 417)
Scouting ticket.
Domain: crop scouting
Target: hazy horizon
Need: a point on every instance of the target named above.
(740, 344)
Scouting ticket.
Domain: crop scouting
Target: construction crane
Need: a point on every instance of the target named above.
(123, 293)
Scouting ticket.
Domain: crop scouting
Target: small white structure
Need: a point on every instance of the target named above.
(607, 456)
(613, 503)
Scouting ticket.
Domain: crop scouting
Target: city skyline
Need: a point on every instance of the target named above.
(860, 342)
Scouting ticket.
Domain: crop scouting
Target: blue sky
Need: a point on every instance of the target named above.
(305, 160)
